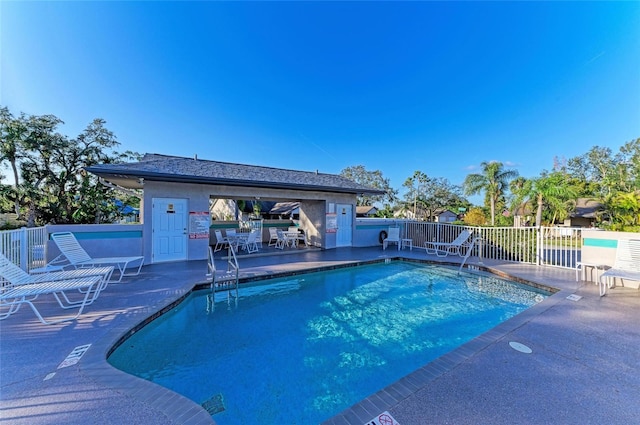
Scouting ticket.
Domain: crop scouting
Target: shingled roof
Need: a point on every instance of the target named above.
(587, 208)
(156, 167)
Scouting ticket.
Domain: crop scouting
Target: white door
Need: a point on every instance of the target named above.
(344, 220)
(169, 229)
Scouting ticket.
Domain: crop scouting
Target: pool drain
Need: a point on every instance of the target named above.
(214, 405)
(520, 347)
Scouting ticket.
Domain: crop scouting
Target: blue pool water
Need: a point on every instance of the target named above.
(300, 350)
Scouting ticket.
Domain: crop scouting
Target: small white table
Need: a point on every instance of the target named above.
(407, 242)
(595, 266)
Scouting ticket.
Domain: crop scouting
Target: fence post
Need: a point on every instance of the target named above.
(539, 245)
(24, 249)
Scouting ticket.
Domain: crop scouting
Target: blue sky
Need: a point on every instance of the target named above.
(398, 87)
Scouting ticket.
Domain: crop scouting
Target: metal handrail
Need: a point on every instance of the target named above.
(474, 241)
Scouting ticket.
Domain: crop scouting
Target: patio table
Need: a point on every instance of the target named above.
(406, 242)
(237, 239)
(583, 267)
(291, 237)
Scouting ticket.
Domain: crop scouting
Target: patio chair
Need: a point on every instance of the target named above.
(78, 257)
(442, 249)
(282, 239)
(14, 296)
(15, 276)
(221, 242)
(302, 236)
(250, 244)
(273, 236)
(393, 236)
(625, 267)
(295, 235)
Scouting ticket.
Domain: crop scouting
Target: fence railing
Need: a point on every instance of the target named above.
(560, 246)
(25, 247)
(553, 246)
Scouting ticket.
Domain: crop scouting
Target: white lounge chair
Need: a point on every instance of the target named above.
(625, 267)
(14, 296)
(78, 257)
(15, 276)
(393, 236)
(442, 249)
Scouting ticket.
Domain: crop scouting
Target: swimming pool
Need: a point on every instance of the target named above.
(302, 349)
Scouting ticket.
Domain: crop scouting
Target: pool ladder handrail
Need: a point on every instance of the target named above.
(228, 279)
(477, 240)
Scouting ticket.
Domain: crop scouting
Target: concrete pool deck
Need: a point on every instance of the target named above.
(583, 368)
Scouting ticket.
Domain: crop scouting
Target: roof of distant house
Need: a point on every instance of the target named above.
(284, 208)
(365, 209)
(587, 208)
(156, 167)
(439, 211)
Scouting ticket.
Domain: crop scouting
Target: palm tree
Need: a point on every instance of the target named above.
(12, 132)
(555, 191)
(493, 181)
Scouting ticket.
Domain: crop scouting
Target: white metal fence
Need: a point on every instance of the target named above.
(25, 247)
(560, 246)
(553, 246)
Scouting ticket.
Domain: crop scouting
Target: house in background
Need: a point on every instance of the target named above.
(440, 215)
(523, 217)
(129, 214)
(366, 211)
(284, 210)
(231, 209)
(444, 216)
(585, 213)
(404, 212)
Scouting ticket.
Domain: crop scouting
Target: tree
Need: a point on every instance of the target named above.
(386, 212)
(415, 189)
(50, 184)
(554, 191)
(493, 181)
(613, 179)
(520, 189)
(428, 194)
(373, 179)
(626, 208)
(475, 217)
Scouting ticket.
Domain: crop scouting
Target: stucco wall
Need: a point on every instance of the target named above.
(313, 209)
(368, 230)
(600, 246)
(312, 220)
(197, 197)
(101, 240)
